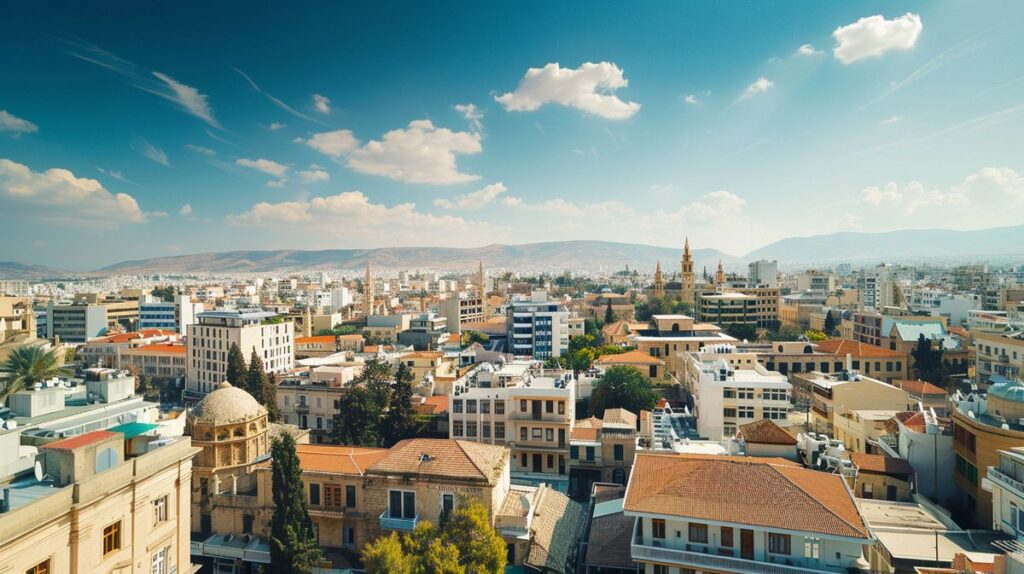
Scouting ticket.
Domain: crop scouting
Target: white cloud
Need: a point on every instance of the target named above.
(321, 104)
(11, 123)
(185, 209)
(421, 153)
(473, 200)
(114, 174)
(274, 126)
(187, 97)
(267, 166)
(588, 88)
(690, 99)
(152, 152)
(334, 144)
(276, 101)
(873, 36)
(807, 50)
(313, 175)
(201, 150)
(760, 86)
(714, 207)
(992, 195)
(472, 114)
(58, 195)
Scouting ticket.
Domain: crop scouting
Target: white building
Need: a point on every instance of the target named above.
(210, 339)
(763, 272)
(1006, 482)
(732, 389)
(537, 326)
(174, 315)
(341, 297)
(461, 308)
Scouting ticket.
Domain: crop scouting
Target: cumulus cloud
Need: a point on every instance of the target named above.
(420, 153)
(150, 151)
(473, 200)
(807, 50)
(873, 36)
(58, 195)
(187, 97)
(185, 209)
(472, 114)
(335, 143)
(313, 175)
(691, 99)
(321, 104)
(267, 166)
(13, 124)
(589, 88)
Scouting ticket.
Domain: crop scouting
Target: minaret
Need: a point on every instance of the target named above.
(482, 288)
(687, 281)
(659, 282)
(367, 293)
(720, 276)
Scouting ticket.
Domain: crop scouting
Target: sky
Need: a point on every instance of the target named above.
(132, 130)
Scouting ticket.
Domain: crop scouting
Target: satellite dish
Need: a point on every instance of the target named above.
(39, 471)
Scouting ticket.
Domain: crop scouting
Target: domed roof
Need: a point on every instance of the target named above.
(227, 405)
(1009, 390)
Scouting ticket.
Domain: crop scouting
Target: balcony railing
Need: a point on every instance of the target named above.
(699, 560)
(405, 524)
(994, 473)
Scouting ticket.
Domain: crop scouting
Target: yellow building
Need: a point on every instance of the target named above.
(653, 367)
(670, 337)
(95, 511)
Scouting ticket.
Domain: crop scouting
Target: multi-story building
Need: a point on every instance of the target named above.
(1006, 483)
(763, 272)
(723, 514)
(671, 336)
(95, 505)
(15, 288)
(210, 339)
(816, 281)
(459, 309)
(730, 308)
(838, 394)
(75, 323)
(829, 356)
(174, 315)
(731, 389)
(537, 326)
(998, 354)
(161, 361)
(518, 407)
(601, 450)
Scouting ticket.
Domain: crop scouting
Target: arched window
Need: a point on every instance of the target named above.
(675, 327)
(808, 350)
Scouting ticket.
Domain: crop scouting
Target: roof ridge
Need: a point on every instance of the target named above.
(472, 460)
(818, 502)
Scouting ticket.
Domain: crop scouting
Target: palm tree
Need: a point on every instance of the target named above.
(27, 365)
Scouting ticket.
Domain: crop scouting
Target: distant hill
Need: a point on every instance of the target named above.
(910, 246)
(28, 272)
(551, 256)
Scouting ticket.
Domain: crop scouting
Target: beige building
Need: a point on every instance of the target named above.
(998, 354)
(210, 339)
(601, 450)
(159, 362)
(670, 337)
(839, 394)
(653, 367)
(95, 511)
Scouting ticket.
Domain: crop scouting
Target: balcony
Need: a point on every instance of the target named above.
(302, 408)
(712, 562)
(404, 524)
(1005, 480)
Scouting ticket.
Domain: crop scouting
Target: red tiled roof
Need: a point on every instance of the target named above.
(765, 431)
(881, 464)
(744, 490)
(143, 334)
(318, 339)
(433, 405)
(840, 347)
(919, 387)
(628, 358)
(444, 458)
(81, 440)
(169, 349)
(337, 459)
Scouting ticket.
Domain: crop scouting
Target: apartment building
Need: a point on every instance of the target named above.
(1006, 481)
(106, 351)
(601, 450)
(715, 513)
(518, 407)
(94, 506)
(671, 336)
(174, 315)
(829, 356)
(458, 309)
(730, 308)
(904, 336)
(731, 389)
(537, 326)
(311, 402)
(838, 394)
(210, 339)
(998, 354)
(763, 272)
(75, 323)
(160, 362)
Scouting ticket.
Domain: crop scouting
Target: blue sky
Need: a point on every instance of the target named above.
(136, 129)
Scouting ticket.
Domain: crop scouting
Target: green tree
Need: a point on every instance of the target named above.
(165, 293)
(259, 385)
(830, 324)
(28, 365)
(785, 333)
(609, 314)
(269, 398)
(481, 548)
(470, 337)
(815, 335)
(388, 555)
(237, 370)
(294, 547)
(399, 422)
(742, 331)
(622, 386)
(928, 363)
(357, 421)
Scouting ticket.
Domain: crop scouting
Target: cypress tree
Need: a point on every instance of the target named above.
(237, 371)
(294, 547)
(259, 385)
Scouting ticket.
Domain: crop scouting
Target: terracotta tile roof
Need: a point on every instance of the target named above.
(81, 440)
(744, 490)
(316, 340)
(629, 358)
(162, 348)
(605, 491)
(619, 328)
(432, 405)
(840, 347)
(881, 464)
(444, 458)
(337, 459)
(765, 431)
(143, 334)
(555, 530)
(919, 387)
(619, 416)
(585, 433)
(892, 427)
(916, 423)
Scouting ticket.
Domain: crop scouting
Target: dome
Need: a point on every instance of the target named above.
(1008, 390)
(227, 405)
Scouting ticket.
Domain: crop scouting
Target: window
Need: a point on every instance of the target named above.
(549, 406)
(867, 490)
(159, 563)
(657, 528)
(574, 452)
(112, 539)
(499, 431)
(538, 434)
(590, 453)
(778, 543)
(966, 470)
(332, 495)
(485, 430)
(561, 407)
(447, 504)
(160, 510)
(964, 437)
(660, 569)
(522, 460)
(729, 412)
(457, 406)
(698, 533)
(457, 428)
(524, 433)
(247, 520)
(41, 568)
(618, 451)
(549, 435)
(551, 461)
(314, 494)
(728, 393)
(812, 548)
(350, 535)
(471, 429)
(471, 407)
(774, 413)
(727, 537)
(745, 393)
(350, 496)
(485, 406)
(775, 395)
(401, 504)
(745, 412)
(499, 407)
(522, 405)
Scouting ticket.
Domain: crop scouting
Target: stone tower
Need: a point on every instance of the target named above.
(720, 275)
(687, 280)
(659, 282)
(367, 293)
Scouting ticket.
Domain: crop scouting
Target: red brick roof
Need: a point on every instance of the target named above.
(81, 440)
(840, 347)
(765, 431)
(445, 459)
(143, 334)
(881, 464)
(164, 348)
(744, 490)
(919, 387)
(318, 339)
(337, 459)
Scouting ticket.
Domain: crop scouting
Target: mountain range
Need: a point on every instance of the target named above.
(909, 246)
